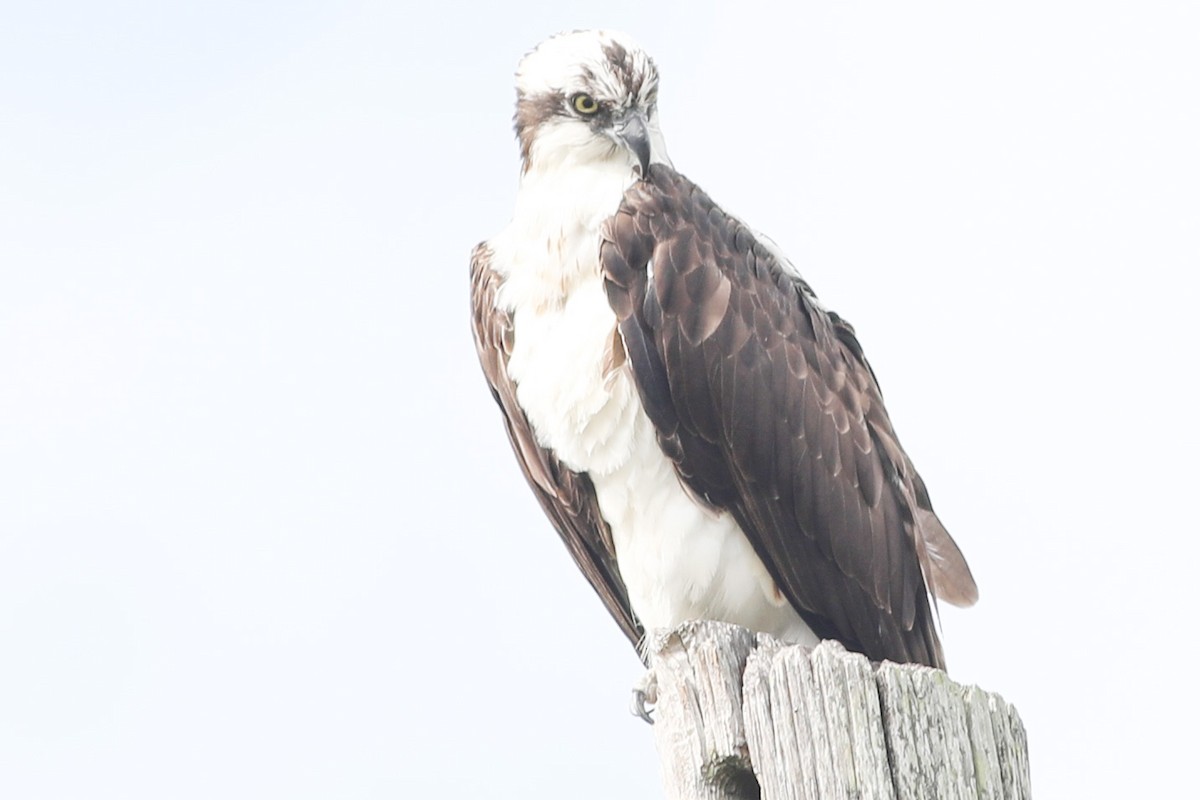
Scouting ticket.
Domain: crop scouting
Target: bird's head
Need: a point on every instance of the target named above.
(588, 96)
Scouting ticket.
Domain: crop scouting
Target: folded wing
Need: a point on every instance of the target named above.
(768, 409)
(567, 497)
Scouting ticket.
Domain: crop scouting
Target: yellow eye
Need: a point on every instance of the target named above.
(585, 104)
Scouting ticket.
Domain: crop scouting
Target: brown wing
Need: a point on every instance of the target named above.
(768, 408)
(567, 497)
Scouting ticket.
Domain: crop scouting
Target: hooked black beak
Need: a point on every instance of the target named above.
(633, 134)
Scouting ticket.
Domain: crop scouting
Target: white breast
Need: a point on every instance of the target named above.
(679, 560)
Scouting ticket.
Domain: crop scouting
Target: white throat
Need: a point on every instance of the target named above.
(553, 240)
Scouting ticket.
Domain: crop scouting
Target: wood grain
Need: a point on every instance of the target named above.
(742, 716)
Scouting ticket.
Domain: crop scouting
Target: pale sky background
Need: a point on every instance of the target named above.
(260, 532)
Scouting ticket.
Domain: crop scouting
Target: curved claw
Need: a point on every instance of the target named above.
(637, 706)
(645, 691)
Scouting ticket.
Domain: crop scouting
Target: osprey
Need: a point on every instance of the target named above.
(708, 440)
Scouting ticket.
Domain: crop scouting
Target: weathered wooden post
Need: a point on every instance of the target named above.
(742, 716)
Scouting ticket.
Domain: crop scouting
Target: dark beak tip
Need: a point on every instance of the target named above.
(642, 153)
(637, 138)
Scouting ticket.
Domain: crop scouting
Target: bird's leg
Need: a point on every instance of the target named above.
(645, 691)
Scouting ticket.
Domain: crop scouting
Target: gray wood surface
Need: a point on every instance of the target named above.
(699, 731)
(742, 716)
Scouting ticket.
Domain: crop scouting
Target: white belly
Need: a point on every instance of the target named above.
(678, 559)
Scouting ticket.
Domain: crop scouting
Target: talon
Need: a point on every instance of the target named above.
(638, 706)
(645, 691)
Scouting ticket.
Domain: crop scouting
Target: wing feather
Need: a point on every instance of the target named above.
(769, 409)
(568, 498)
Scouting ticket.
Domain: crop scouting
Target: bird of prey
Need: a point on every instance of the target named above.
(706, 437)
